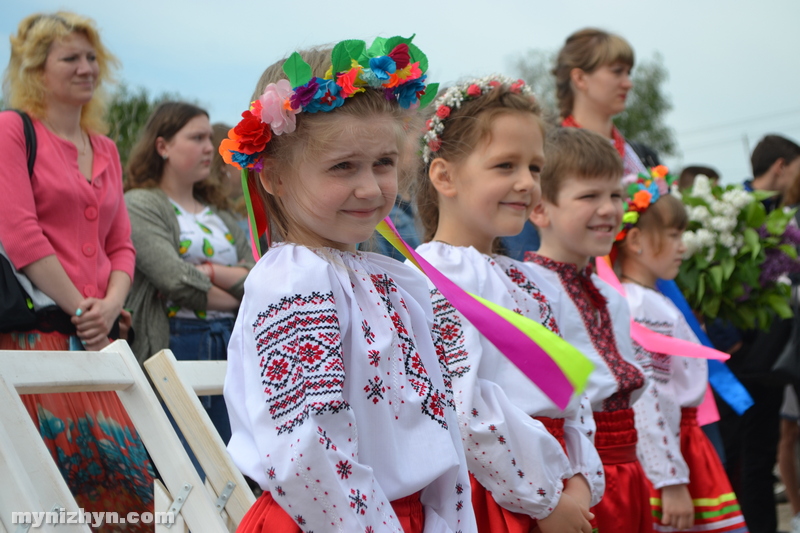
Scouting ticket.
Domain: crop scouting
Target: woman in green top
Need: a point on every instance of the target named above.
(192, 257)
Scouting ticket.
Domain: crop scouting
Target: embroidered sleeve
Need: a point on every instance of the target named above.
(658, 423)
(579, 432)
(303, 426)
(511, 455)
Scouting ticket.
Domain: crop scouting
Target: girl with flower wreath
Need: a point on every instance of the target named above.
(688, 485)
(339, 399)
(533, 467)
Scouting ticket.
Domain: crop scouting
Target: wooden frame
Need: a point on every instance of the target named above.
(180, 383)
(113, 369)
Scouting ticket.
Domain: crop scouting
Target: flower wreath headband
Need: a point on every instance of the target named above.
(393, 65)
(454, 97)
(641, 192)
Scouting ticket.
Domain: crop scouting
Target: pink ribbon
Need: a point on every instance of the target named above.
(649, 339)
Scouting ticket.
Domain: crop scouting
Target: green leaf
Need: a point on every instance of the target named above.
(377, 48)
(728, 266)
(715, 273)
(344, 52)
(761, 195)
(711, 307)
(418, 55)
(752, 240)
(391, 42)
(747, 316)
(701, 288)
(780, 304)
(789, 250)
(297, 70)
(755, 215)
(430, 94)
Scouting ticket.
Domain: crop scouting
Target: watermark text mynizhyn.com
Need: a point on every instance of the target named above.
(95, 519)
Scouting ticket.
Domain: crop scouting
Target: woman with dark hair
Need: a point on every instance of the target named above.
(192, 257)
(65, 226)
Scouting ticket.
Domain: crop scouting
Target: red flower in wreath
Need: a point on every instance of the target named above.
(443, 112)
(252, 134)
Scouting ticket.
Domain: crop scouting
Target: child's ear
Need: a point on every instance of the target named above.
(440, 173)
(634, 241)
(272, 186)
(161, 147)
(540, 216)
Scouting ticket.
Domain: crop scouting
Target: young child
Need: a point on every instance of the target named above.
(483, 154)
(578, 218)
(340, 405)
(689, 486)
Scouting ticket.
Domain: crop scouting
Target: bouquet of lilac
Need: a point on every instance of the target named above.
(738, 256)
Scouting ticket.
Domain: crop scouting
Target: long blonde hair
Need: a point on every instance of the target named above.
(23, 85)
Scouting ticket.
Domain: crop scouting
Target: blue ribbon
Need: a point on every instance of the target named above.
(720, 376)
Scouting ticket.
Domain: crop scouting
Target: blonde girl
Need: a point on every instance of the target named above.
(339, 402)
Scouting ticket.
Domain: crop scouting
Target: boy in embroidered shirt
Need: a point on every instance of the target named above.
(578, 218)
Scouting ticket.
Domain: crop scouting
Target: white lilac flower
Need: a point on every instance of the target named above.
(727, 240)
(691, 244)
(698, 213)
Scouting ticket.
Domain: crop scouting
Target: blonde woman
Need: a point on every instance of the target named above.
(66, 227)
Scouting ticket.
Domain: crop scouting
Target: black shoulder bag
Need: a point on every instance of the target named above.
(16, 307)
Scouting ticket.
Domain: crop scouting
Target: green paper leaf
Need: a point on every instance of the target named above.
(391, 42)
(418, 55)
(297, 70)
(430, 94)
(377, 47)
(344, 52)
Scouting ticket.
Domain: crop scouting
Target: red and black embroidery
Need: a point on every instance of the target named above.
(452, 334)
(442, 358)
(434, 401)
(300, 355)
(596, 319)
(546, 316)
(358, 501)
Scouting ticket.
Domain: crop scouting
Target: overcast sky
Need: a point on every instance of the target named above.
(733, 65)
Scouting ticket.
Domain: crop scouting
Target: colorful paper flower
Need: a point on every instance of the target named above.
(347, 81)
(408, 94)
(382, 67)
(403, 75)
(641, 200)
(251, 134)
(304, 94)
(326, 98)
(400, 55)
(273, 111)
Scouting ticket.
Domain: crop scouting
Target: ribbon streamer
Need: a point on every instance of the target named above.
(649, 339)
(720, 376)
(256, 215)
(554, 365)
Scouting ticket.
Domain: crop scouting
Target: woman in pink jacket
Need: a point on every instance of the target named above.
(65, 226)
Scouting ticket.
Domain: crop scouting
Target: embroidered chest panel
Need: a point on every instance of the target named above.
(597, 321)
(546, 316)
(299, 347)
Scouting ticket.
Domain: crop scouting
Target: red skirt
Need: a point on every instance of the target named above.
(625, 507)
(491, 517)
(715, 504)
(266, 516)
(555, 426)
